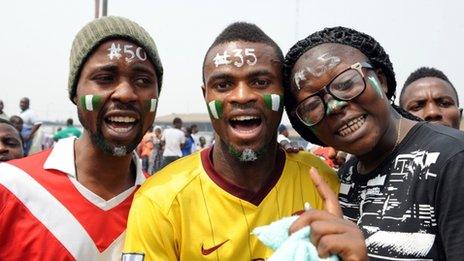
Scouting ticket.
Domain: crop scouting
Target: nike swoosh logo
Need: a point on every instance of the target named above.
(208, 251)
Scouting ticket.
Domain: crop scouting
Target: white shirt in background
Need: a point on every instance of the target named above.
(173, 138)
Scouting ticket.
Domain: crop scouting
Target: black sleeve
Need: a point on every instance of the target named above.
(449, 205)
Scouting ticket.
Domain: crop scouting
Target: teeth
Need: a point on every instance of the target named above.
(122, 119)
(351, 126)
(244, 118)
(122, 129)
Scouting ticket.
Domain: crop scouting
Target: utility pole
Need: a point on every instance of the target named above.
(103, 6)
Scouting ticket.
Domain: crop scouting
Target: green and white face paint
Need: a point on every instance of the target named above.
(150, 105)
(274, 101)
(247, 155)
(376, 85)
(334, 104)
(91, 102)
(215, 109)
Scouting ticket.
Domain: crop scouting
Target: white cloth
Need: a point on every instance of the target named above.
(173, 139)
(29, 118)
(281, 138)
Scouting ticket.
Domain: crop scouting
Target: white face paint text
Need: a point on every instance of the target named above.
(129, 51)
(238, 57)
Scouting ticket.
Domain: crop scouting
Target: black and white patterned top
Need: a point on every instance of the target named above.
(411, 207)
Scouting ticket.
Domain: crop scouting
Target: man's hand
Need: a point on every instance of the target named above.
(330, 233)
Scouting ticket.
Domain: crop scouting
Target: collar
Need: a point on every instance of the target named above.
(61, 158)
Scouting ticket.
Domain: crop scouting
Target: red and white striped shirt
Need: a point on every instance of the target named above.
(46, 214)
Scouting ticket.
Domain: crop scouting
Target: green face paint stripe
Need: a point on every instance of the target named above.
(153, 103)
(90, 102)
(376, 85)
(215, 109)
(334, 104)
(273, 101)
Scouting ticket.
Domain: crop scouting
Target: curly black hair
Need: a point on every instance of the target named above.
(423, 72)
(247, 32)
(366, 44)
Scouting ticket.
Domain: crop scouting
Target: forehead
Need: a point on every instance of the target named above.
(118, 50)
(8, 130)
(227, 58)
(319, 54)
(435, 86)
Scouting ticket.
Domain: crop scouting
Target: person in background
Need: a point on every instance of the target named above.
(189, 145)
(30, 124)
(17, 123)
(429, 95)
(157, 151)
(11, 145)
(2, 113)
(173, 139)
(145, 148)
(202, 143)
(68, 131)
(195, 135)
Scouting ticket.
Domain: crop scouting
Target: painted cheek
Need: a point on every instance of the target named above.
(273, 101)
(215, 109)
(376, 85)
(150, 105)
(91, 102)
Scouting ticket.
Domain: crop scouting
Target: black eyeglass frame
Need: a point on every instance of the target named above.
(356, 66)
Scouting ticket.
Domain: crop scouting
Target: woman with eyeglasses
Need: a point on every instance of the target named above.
(404, 187)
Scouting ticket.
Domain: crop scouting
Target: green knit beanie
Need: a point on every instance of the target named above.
(98, 31)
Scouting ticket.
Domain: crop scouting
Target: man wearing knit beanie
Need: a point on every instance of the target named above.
(71, 202)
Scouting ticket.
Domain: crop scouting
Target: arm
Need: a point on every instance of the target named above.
(450, 213)
(149, 231)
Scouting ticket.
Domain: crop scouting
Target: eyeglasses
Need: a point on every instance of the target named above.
(346, 86)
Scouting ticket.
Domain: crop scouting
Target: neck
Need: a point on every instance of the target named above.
(397, 130)
(105, 175)
(251, 176)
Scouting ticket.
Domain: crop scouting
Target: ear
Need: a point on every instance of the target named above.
(382, 79)
(75, 100)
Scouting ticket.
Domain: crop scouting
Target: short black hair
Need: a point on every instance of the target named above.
(69, 121)
(11, 124)
(423, 72)
(243, 31)
(366, 44)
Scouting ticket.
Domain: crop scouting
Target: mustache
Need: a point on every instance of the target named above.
(124, 107)
(243, 106)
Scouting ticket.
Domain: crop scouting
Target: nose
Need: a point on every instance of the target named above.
(334, 106)
(243, 94)
(125, 92)
(432, 113)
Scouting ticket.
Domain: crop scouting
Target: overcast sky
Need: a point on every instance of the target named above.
(36, 37)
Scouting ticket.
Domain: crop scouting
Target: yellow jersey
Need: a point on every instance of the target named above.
(187, 211)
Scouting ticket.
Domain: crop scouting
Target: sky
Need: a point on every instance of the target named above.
(36, 38)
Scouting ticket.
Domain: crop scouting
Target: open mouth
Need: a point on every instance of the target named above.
(121, 124)
(245, 124)
(351, 126)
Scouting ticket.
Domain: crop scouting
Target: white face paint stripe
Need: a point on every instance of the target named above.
(275, 102)
(212, 108)
(88, 102)
(153, 105)
(60, 222)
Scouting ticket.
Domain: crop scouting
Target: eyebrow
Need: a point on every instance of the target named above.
(219, 76)
(107, 68)
(259, 73)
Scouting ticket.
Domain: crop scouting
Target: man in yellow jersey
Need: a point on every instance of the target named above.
(204, 206)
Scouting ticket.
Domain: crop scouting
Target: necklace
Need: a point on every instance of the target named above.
(398, 134)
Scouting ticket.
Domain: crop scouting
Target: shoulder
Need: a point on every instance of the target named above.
(438, 134)
(169, 182)
(305, 161)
